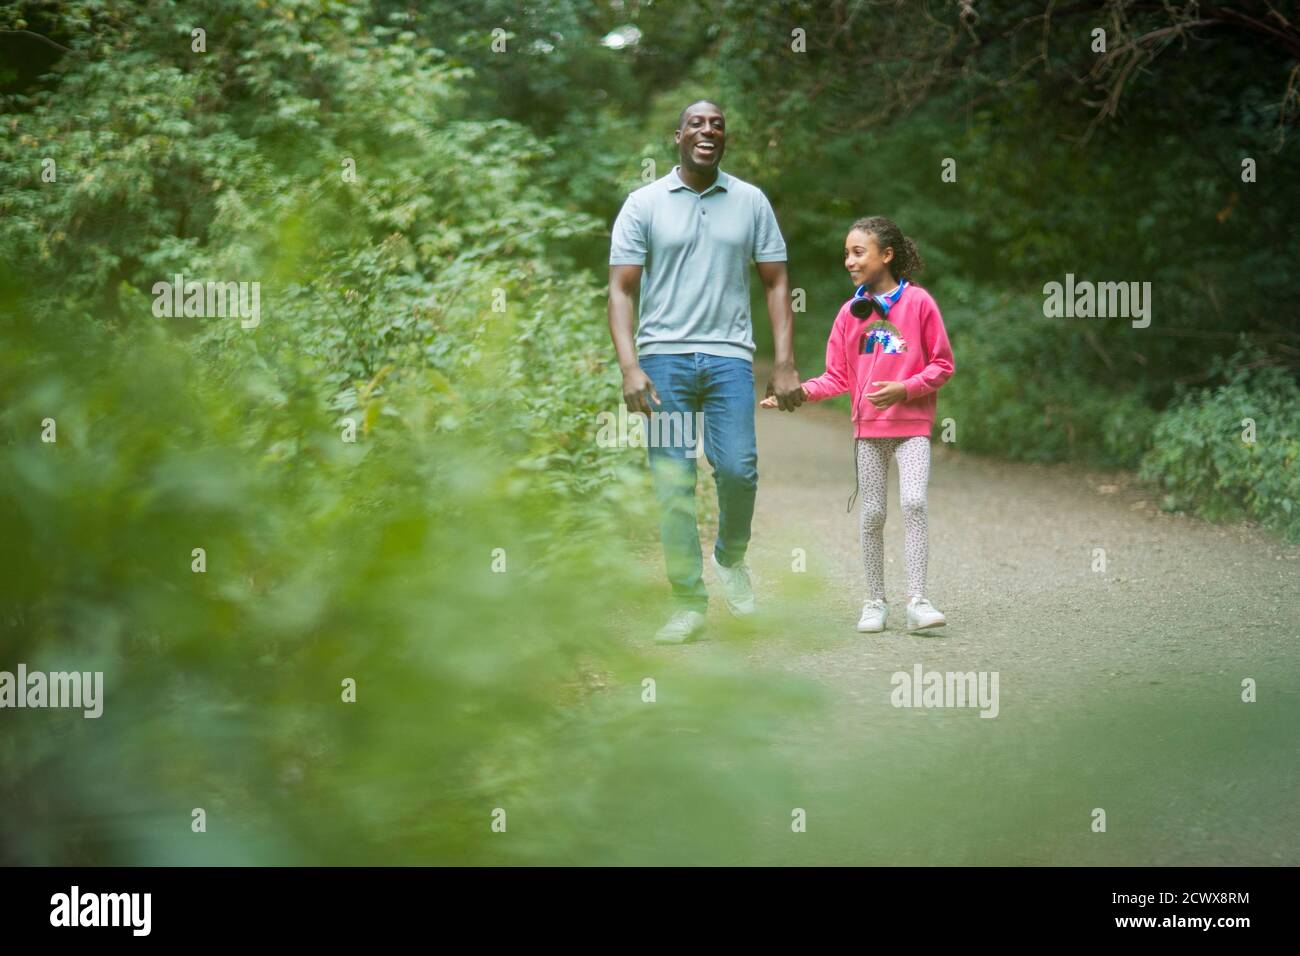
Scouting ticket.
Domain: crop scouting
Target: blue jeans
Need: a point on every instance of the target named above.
(723, 389)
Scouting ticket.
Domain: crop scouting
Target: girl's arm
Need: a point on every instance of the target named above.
(940, 367)
(835, 380)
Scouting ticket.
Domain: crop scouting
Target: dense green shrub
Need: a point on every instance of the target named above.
(1208, 458)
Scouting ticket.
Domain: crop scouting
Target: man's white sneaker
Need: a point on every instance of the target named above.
(873, 616)
(922, 614)
(736, 587)
(682, 627)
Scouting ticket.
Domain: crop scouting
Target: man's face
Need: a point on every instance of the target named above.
(702, 138)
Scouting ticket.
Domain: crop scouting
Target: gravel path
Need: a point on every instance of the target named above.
(1119, 690)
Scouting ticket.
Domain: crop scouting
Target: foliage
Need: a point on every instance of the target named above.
(428, 305)
(1232, 451)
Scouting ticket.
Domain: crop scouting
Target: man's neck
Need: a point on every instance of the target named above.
(699, 181)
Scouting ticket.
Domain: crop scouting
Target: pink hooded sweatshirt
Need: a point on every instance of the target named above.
(911, 347)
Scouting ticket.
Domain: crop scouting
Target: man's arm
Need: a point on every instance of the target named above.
(785, 379)
(638, 390)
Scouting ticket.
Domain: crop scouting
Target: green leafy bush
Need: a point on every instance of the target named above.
(1204, 461)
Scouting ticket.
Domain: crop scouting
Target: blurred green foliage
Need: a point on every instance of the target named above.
(428, 304)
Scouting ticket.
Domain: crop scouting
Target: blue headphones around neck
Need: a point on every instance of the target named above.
(865, 303)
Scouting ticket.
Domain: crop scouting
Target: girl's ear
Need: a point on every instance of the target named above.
(887, 256)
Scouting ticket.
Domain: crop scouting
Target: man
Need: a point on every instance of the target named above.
(686, 241)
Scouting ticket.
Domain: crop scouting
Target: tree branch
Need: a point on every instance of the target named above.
(45, 40)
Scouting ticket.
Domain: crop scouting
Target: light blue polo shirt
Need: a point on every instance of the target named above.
(695, 250)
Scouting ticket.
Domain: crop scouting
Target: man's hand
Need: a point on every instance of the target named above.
(639, 391)
(889, 393)
(784, 385)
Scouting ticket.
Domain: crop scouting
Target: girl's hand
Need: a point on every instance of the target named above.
(889, 393)
(773, 401)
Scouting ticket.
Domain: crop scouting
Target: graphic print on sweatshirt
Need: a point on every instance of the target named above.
(886, 335)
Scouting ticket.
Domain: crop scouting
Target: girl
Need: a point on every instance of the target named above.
(889, 350)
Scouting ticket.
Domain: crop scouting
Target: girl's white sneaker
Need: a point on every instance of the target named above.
(922, 614)
(873, 616)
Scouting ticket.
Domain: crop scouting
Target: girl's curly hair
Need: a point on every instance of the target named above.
(907, 261)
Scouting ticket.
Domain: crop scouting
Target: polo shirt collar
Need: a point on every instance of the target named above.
(675, 183)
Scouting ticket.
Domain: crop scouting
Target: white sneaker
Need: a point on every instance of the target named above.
(682, 627)
(921, 614)
(736, 587)
(873, 616)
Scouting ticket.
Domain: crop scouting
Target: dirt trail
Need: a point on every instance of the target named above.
(1011, 563)
(1118, 688)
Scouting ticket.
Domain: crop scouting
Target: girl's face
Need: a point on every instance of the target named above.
(863, 258)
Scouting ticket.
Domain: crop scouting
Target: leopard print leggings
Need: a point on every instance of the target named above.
(913, 457)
